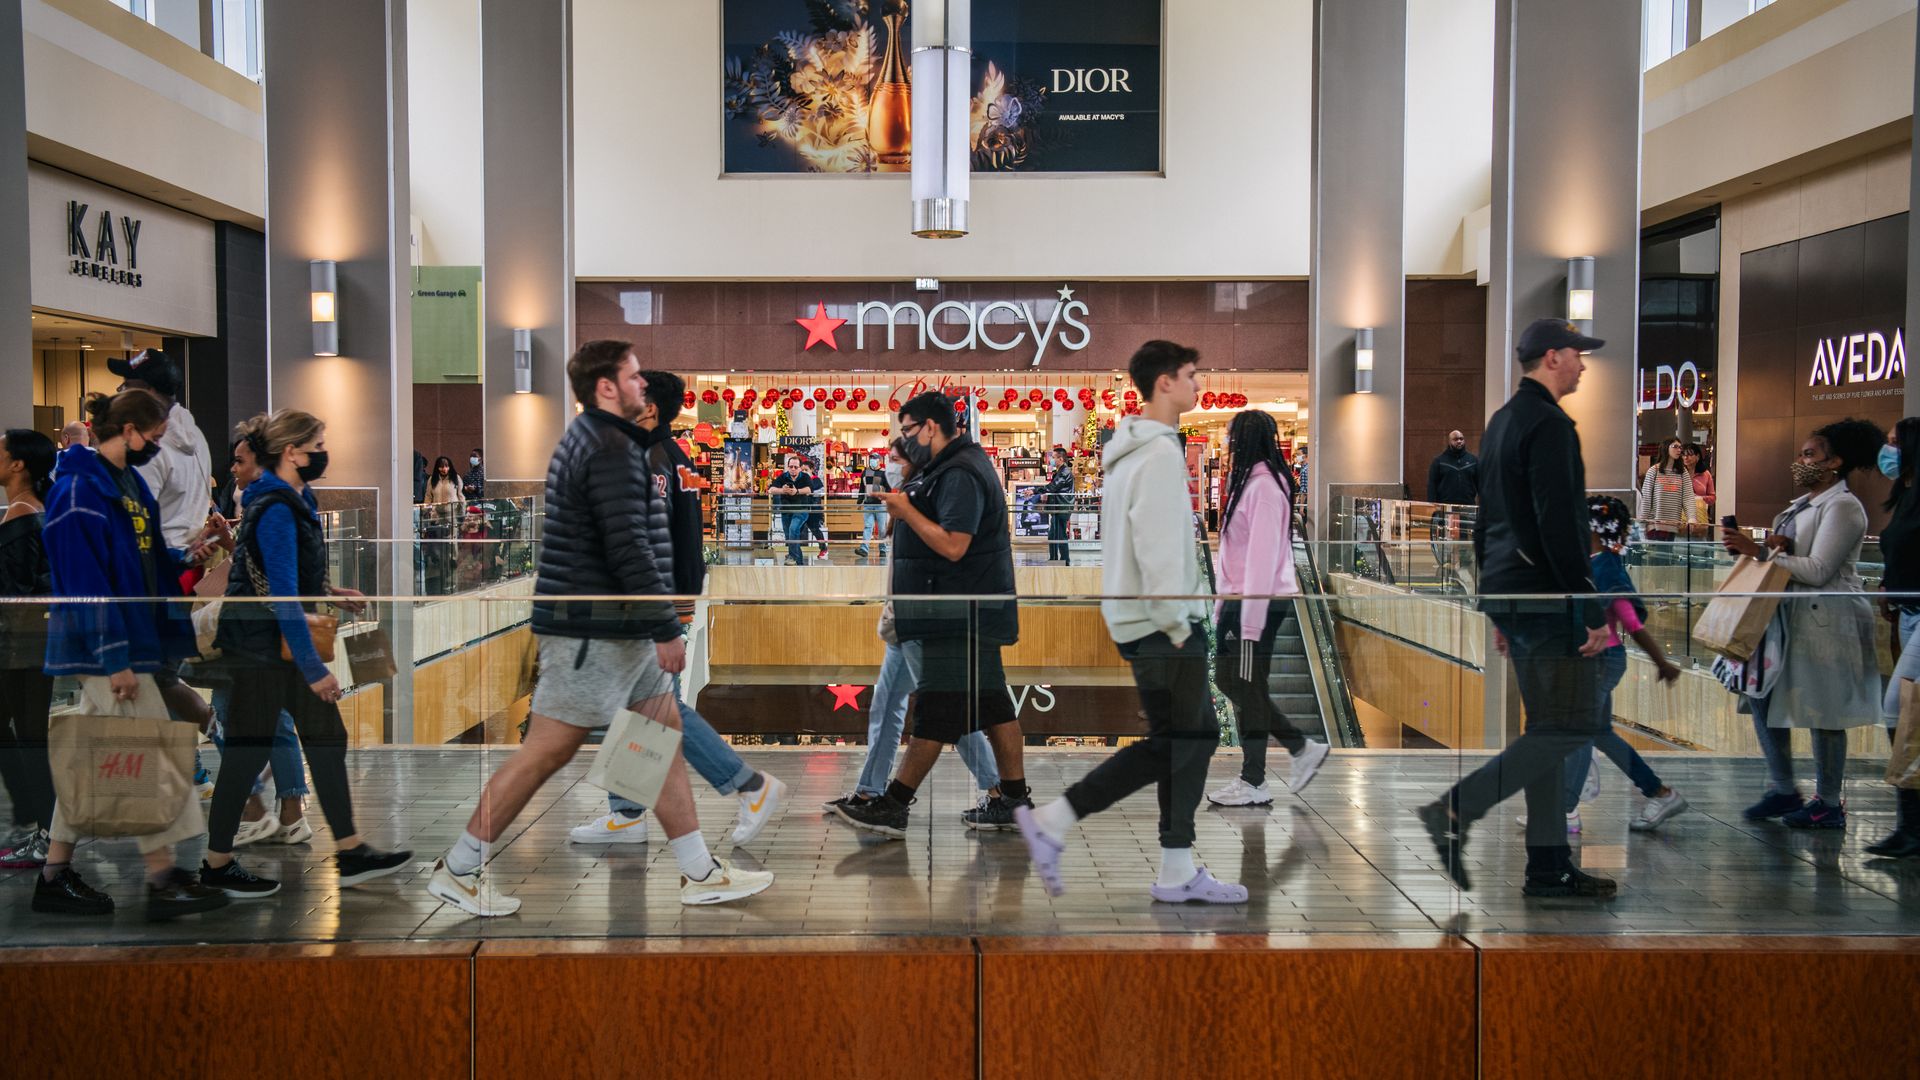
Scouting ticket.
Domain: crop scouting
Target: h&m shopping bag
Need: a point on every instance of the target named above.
(1735, 621)
(120, 768)
(634, 758)
(1903, 765)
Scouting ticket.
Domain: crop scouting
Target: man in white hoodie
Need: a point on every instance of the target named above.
(1152, 582)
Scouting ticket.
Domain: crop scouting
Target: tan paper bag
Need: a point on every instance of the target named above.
(369, 656)
(1734, 623)
(634, 758)
(120, 768)
(1903, 766)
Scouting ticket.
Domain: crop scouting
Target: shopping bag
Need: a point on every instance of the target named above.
(634, 758)
(1734, 621)
(370, 656)
(210, 592)
(1903, 765)
(120, 768)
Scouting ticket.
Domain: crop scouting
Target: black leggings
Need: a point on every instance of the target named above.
(258, 696)
(1260, 721)
(26, 696)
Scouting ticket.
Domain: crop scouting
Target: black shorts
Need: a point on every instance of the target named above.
(963, 689)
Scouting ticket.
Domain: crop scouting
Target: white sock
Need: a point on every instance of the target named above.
(466, 856)
(1176, 866)
(690, 851)
(1056, 818)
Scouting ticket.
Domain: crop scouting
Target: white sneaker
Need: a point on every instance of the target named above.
(1240, 793)
(471, 893)
(1658, 809)
(205, 791)
(612, 827)
(1306, 765)
(724, 883)
(253, 831)
(297, 833)
(758, 807)
(1591, 789)
(1573, 821)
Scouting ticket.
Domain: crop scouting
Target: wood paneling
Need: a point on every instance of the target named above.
(828, 1007)
(362, 1010)
(469, 687)
(363, 712)
(1439, 699)
(1299, 1005)
(837, 637)
(1686, 1006)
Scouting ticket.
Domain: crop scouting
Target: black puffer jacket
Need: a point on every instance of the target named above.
(607, 534)
(1531, 536)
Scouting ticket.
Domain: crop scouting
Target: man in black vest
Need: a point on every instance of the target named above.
(951, 538)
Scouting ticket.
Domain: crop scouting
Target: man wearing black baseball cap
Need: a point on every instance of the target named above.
(1531, 538)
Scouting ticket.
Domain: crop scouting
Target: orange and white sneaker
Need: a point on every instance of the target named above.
(471, 893)
(758, 807)
(613, 827)
(724, 883)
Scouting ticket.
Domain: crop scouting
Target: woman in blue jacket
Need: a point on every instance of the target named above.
(103, 539)
(283, 547)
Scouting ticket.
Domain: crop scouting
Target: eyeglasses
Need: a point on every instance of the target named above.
(910, 432)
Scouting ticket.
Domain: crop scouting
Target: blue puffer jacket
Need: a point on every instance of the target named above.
(93, 552)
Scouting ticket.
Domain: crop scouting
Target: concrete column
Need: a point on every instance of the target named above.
(337, 188)
(1356, 254)
(526, 95)
(1566, 182)
(16, 277)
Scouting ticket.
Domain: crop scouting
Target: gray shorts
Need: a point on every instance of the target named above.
(586, 682)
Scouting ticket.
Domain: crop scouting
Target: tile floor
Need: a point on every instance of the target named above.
(1347, 855)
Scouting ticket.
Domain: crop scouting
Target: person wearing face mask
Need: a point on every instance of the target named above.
(1825, 678)
(874, 479)
(26, 693)
(794, 495)
(282, 547)
(1899, 461)
(474, 485)
(103, 539)
(1057, 501)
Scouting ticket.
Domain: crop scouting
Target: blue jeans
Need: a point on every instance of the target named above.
(796, 531)
(1908, 667)
(873, 524)
(289, 769)
(887, 718)
(707, 754)
(1613, 668)
(1776, 745)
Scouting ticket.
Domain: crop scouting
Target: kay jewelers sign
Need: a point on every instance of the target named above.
(957, 326)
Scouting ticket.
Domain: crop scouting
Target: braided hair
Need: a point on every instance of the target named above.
(1253, 438)
(1611, 521)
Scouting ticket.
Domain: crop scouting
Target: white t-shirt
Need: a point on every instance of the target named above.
(181, 478)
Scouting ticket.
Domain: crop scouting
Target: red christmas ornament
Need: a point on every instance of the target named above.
(727, 395)
(893, 405)
(1131, 396)
(1060, 394)
(689, 399)
(1066, 406)
(859, 394)
(959, 404)
(1046, 406)
(808, 404)
(839, 393)
(710, 397)
(874, 405)
(1008, 394)
(1206, 400)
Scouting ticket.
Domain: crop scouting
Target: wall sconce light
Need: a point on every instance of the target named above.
(324, 284)
(1363, 360)
(522, 361)
(1580, 292)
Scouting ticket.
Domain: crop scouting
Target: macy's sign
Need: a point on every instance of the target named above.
(952, 326)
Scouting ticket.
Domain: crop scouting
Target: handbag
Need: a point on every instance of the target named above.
(1903, 764)
(120, 768)
(1735, 621)
(323, 628)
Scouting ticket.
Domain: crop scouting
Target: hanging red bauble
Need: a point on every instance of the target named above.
(689, 399)
(727, 395)
(1008, 394)
(893, 405)
(959, 404)
(1131, 396)
(1066, 406)
(839, 393)
(1046, 406)
(1060, 394)
(1206, 400)
(808, 404)
(859, 393)
(770, 402)
(874, 405)
(711, 397)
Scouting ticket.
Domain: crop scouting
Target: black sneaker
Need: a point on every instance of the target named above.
(851, 798)
(1449, 839)
(236, 881)
(1569, 881)
(67, 894)
(366, 862)
(994, 814)
(882, 815)
(182, 894)
(1901, 844)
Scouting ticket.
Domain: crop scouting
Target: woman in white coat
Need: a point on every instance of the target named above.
(1828, 679)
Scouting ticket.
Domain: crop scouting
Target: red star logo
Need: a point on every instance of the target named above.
(820, 329)
(848, 696)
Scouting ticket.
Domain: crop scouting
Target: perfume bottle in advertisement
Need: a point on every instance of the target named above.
(890, 105)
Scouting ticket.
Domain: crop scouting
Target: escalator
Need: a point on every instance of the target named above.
(1307, 682)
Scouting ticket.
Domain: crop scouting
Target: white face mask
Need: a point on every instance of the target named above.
(896, 474)
(473, 461)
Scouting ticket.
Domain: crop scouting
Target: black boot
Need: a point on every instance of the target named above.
(1904, 841)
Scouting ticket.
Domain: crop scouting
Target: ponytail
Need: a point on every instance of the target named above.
(109, 415)
(35, 452)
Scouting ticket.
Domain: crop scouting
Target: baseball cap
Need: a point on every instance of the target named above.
(150, 366)
(1542, 335)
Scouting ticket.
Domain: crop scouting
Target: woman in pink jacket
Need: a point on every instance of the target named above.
(1256, 561)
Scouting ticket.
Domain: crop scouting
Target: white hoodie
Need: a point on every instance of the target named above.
(1146, 535)
(181, 478)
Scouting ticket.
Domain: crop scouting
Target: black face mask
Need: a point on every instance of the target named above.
(918, 454)
(144, 454)
(315, 468)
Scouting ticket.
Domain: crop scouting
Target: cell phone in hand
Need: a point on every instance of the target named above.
(1729, 522)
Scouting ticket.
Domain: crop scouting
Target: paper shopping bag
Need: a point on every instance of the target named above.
(634, 758)
(370, 655)
(1903, 766)
(1734, 622)
(120, 768)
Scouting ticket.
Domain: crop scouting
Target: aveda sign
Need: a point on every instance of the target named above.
(1867, 357)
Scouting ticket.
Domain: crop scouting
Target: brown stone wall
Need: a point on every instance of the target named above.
(1446, 371)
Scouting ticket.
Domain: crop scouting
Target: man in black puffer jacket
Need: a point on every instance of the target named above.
(608, 534)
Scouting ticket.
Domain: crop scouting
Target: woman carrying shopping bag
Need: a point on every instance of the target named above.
(103, 539)
(1828, 679)
(1900, 550)
(272, 652)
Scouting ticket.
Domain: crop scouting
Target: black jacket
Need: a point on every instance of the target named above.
(1059, 489)
(608, 532)
(985, 570)
(1532, 534)
(666, 458)
(1454, 478)
(1900, 547)
(23, 572)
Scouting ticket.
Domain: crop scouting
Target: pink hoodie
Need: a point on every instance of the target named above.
(1256, 552)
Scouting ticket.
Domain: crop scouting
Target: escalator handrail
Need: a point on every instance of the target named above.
(1336, 696)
